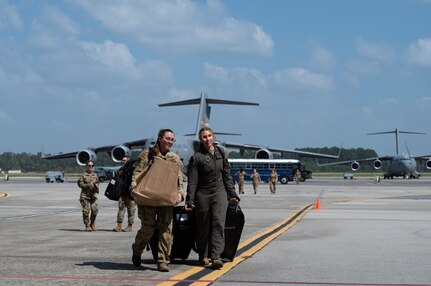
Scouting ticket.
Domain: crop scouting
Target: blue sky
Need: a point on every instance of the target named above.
(88, 73)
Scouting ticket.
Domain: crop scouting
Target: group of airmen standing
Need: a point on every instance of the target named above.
(255, 178)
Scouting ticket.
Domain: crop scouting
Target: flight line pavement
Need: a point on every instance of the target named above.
(364, 234)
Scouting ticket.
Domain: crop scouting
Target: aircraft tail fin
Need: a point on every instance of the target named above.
(396, 132)
(205, 109)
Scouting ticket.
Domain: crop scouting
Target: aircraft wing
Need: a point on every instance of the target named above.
(60, 156)
(423, 157)
(277, 150)
(116, 152)
(382, 158)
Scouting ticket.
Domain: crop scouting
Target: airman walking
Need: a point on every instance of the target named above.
(273, 181)
(241, 175)
(89, 184)
(124, 203)
(297, 176)
(255, 177)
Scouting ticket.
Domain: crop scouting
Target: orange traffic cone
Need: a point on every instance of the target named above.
(318, 204)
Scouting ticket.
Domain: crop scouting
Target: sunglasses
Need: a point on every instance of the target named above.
(90, 165)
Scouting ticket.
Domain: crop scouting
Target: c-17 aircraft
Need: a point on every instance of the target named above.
(400, 165)
(185, 145)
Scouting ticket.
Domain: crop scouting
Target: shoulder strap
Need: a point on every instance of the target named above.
(221, 152)
(150, 156)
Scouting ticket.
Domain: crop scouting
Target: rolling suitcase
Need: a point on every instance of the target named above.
(235, 220)
(183, 232)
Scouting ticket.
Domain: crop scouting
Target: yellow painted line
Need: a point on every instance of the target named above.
(215, 274)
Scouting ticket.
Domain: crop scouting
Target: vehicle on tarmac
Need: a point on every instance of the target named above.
(105, 174)
(348, 176)
(285, 169)
(54, 176)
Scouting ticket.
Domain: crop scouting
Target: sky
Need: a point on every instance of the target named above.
(78, 73)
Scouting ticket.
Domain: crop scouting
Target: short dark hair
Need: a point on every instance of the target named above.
(163, 131)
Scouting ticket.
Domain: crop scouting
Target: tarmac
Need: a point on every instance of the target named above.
(364, 233)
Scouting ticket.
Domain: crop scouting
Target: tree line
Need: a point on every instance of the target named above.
(27, 162)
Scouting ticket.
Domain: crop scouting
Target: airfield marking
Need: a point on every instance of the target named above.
(205, 276)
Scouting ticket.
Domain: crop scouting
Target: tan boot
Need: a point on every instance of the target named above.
(128, 228)
(117, 228)
(93, 226)
(88, 228)
(163, 267)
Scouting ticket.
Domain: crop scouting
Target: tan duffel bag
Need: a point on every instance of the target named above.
(157, 185)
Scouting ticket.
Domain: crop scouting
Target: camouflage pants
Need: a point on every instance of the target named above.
(89, 209)
(272, 187)
(241, 187)
(150, 216)
(124, 203)
(255, 185)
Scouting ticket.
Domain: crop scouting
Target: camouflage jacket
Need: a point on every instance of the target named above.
(241, 176)
(89, 183)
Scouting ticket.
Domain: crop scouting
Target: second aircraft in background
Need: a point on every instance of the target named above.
(400, 165)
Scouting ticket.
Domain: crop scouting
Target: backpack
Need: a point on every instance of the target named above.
(119, 186)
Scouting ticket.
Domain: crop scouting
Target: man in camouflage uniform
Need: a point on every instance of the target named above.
(273, 181)
(255, 177)
(297, 176)
(162, 216)
(241, 175)
(123, 203)
(89, 184)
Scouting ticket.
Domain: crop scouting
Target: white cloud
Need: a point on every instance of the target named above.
(59, 21)
(244, 77)
(379, 52)
(303, 79)
(116, 56)
(9, 16)
(42, 38)
(118, 61)
(181, 26)
(419, 53)
(364, 67)
(321, 57)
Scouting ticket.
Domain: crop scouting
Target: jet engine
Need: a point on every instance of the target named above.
(118, 152)
(354, 166)
(428, 164)
(263, 154)
(83, 156)
(377, 164)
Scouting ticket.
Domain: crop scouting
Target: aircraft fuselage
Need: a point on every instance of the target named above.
(402, 166)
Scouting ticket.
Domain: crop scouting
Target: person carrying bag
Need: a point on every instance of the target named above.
(157, 184)
(159, 179)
